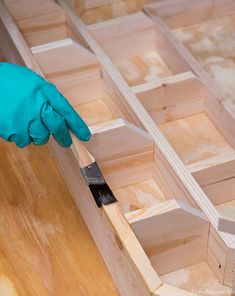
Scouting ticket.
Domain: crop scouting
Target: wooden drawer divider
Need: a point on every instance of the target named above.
(143, 258)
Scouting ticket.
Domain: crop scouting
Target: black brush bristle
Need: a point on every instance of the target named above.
(100, 190)
(103, 195)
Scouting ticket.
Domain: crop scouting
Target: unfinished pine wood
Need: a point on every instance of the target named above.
(217, 252)
(167, 242)
(40, 22)
(216, 176)
(94, 112)
(164, 100)
(214, 110)
(183, 231)
(176, 104)
(45, 247)
(166, 290)
(117, 140)
(198, 279)
(122, 249)
(203, 201)
(144, 68)
(123, 163)
(186, 12)
(98, 11)
(118, 235)
(227, 209)
(78, 75)
(137, 58)
(48, 56)
(72, 68)
(206, 37)
(112, 69)
(210, 171)
(229, 275)
(9, 49)
(140, 195)
(195, 138)
(212, 211)
(211, 43)
(191, 133)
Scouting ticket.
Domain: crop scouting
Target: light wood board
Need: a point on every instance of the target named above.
(45, 246)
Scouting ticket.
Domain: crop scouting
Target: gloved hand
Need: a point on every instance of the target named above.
(31, 109)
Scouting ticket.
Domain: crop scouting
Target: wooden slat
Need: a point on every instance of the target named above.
(116, 139)
(176, 97)
(40, 22)
(170, 232)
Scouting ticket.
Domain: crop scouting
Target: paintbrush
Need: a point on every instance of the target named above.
(100, 190)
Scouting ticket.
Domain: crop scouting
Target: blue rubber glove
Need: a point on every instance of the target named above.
(31, 109)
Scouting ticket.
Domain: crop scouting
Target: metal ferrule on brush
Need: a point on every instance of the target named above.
(97, 184)
(93, 175)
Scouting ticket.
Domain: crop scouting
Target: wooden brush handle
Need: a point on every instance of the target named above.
(83, 156)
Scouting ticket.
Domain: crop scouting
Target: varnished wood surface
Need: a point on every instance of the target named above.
(45, 248)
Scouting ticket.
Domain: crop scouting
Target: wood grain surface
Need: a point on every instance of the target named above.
(45, 247)
(212, 44)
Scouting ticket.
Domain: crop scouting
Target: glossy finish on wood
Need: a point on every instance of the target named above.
(45, 247)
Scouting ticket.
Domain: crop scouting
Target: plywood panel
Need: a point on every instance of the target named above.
(212, 44)
(147, 67)
(198, 279)
(195, 138)
(139, 195)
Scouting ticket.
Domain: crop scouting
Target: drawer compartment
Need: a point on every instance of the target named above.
(181, 109)
(206, 40)
(155, 240)
(206, 29)
(137, 49)
(178, 109)
(102, 10)
(175, 238)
